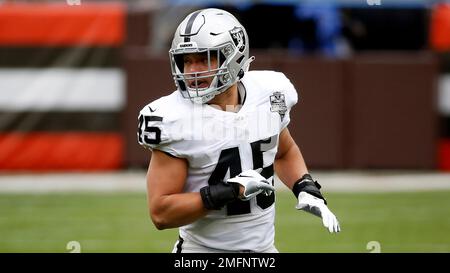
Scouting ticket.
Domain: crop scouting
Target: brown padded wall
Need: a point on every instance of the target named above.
(317, 119)
(393, 119)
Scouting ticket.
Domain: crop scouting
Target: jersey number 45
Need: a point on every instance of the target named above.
(229, 159)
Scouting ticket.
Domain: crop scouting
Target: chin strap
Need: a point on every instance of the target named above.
(245, 67)
(247, 63)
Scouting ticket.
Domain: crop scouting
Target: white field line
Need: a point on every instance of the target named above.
(134, 181)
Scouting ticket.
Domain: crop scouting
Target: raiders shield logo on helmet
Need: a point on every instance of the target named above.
(237, 34)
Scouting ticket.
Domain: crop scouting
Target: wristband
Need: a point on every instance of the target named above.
(307, 184)
(216, 196)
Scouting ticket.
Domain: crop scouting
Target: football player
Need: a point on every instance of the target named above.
(217, 141)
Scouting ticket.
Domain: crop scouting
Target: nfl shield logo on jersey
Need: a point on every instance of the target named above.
(278, 104)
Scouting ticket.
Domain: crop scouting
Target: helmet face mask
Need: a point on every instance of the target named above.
(217, 34)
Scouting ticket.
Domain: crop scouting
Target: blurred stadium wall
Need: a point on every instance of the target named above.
(373, 79)
(62, 88)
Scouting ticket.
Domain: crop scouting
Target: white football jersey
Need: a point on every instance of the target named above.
(221, 144)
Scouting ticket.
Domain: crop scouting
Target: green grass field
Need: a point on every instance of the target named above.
(118, 222)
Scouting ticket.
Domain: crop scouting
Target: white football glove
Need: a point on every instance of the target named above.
(253, 183)
(316, 206)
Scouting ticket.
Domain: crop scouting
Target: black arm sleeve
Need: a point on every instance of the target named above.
(218, 195)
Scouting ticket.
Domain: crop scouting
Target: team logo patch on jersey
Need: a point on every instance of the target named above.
(278, 104)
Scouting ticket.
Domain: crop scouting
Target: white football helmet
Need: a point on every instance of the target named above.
(217, 33)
